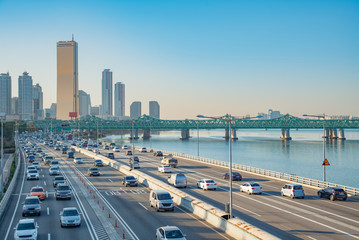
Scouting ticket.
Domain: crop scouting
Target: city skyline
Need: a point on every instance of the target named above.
(206, 58)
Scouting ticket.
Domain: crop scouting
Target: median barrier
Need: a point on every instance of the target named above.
(234, 227)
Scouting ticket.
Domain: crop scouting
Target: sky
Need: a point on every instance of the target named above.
(194, 57)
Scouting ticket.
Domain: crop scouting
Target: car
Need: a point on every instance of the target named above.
(63, 191)
(124, 147)
(111, 155)
(78, 160)
(333, 193)
(236, 176)
(70, 154)
(64, 150)
(39, 192)
(89, 148)
(106, 147)
(178, 180)
(158, 154)
(36, 165)
(32, 174)
(143, 150)
(116, 149)
(173, 162)
(207, 184)
(31, 158)
(31, 206)
(93, 171)
(26, 229)
(169, 232)
(57, 180)
(165, 168)
(129, 152)
(54, 171)
(70, 217)
(129, 181)
(161, 200)
(55, 164)
(57, 148)
(251, 188)
(95, 150)
(293, 191)
(30, 168)
(98, 163)
(48, 159)
(136, 159)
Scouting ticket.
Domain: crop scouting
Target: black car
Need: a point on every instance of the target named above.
(158, 154)
(333, 193)
(236, 176)
(111, 155)
(129, 181)
(98, 163)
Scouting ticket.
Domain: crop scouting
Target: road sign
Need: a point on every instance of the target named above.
(326, 163)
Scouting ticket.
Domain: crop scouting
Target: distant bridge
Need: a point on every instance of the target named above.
(147, 123)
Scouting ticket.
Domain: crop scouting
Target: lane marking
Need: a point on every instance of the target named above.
(44, 183)
(143, 206)
(48, 211)
(310, 237)
(110, 180)
(247, 210)
(48, 236)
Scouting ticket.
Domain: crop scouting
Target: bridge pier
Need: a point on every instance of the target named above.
(233, 134)
(326, 133)
(333, 134)
(146, 134)
(185, 134)
(134, 134)
(341, 134)
(285, 134)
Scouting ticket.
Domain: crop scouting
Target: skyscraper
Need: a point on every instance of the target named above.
(67, 79)
(5, 93)
(135, 110)
(154, 109)
(106, 92)
(119, 99)
(14, 105)
(37, 97)
(85, 103)
(25, 96)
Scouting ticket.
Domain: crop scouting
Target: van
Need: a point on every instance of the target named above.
(293, 191)
(161, 200)
(170, 161)
(178, 180)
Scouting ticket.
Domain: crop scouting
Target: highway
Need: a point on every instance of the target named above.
(128, 207)
(309, 218)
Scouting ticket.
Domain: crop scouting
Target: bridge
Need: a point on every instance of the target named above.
(334, 129)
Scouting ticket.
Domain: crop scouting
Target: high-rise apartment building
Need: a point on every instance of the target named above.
(106, 93)
(14, 105)
(154, 109)
(135, 110)
(37, 97)
(5, 93)
(25, 96)
(85, 103)
(67, 79)
(119, 99)
(53, 110)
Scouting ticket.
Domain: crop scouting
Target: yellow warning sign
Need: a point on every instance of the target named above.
(326, 163)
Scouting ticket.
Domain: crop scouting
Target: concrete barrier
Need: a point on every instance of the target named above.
(235, 227)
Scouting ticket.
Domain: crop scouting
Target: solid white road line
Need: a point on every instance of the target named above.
(44, 183)
(110, 180)
(48, 236)
(143, 206)
(48, 211)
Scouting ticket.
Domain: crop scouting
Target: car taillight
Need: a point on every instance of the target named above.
(260, 187)
(252, 188)
(293, 191)
(215, 184)
(207, 184)
(335, 193)
(175, 181)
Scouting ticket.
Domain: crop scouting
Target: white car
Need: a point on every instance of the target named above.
(26, 229)
(70, 217)
(124, 147)
(36, 165)
(78, 160)
(207, 184)
(251, 188)
(95, 150)
(116, 149)
(165, 168)
(143, 150)
(169, 232)
(33, 174)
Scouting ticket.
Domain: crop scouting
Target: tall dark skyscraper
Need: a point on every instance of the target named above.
(5, 93)
(119, 99)
(107, 93)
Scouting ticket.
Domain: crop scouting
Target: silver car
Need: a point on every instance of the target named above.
(54, 171)
(26, 229)
(69, 217)
(293, 191)
(31, 206)
(169, 232)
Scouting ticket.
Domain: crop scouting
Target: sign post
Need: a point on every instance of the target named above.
(324, 164)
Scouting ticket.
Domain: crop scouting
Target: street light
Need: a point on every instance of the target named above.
(321, 116)
(229, 118)
(2, 116)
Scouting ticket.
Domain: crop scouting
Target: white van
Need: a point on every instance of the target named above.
(293, 191)
(178, 180)
(161, 200)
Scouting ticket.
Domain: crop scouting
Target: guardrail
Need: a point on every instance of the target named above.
(269, 173)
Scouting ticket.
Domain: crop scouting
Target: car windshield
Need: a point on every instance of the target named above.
(70, 213)
(130, 178)
(297, 187)
(174, 234)
(35, 163)
(37, 190)
(98, 161)
(63, 188)
(93, 169)
(209, 181)
(165, 196)
(255, 184)
(25, 226)
(78, 158)
(338, 190)
(32, 171)
(59, 178)
(31, 201)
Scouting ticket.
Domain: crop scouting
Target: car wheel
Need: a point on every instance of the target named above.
(39, 214)
(57, 198)
(157, 209)
(69, 198)
(332, 197)
(319, 194)
(281, 193)
(173, 209)
(214, 189)
(292, 196)
(23, 214)
(344, 199)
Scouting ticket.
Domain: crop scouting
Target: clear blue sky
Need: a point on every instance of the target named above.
(195, 57)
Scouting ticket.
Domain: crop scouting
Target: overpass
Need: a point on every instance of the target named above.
(334, 129)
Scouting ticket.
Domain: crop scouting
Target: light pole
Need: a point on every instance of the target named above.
(2, 115)
(132, 137)
(324, 162)
(198, 138)
(229, 118)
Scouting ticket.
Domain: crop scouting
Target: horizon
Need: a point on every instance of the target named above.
(195, 57)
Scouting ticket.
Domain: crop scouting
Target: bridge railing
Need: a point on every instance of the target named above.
(269, 173)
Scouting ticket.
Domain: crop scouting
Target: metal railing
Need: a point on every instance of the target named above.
(269, 173)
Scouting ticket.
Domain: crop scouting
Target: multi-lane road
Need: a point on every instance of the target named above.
(309, 218)
(108, 209)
